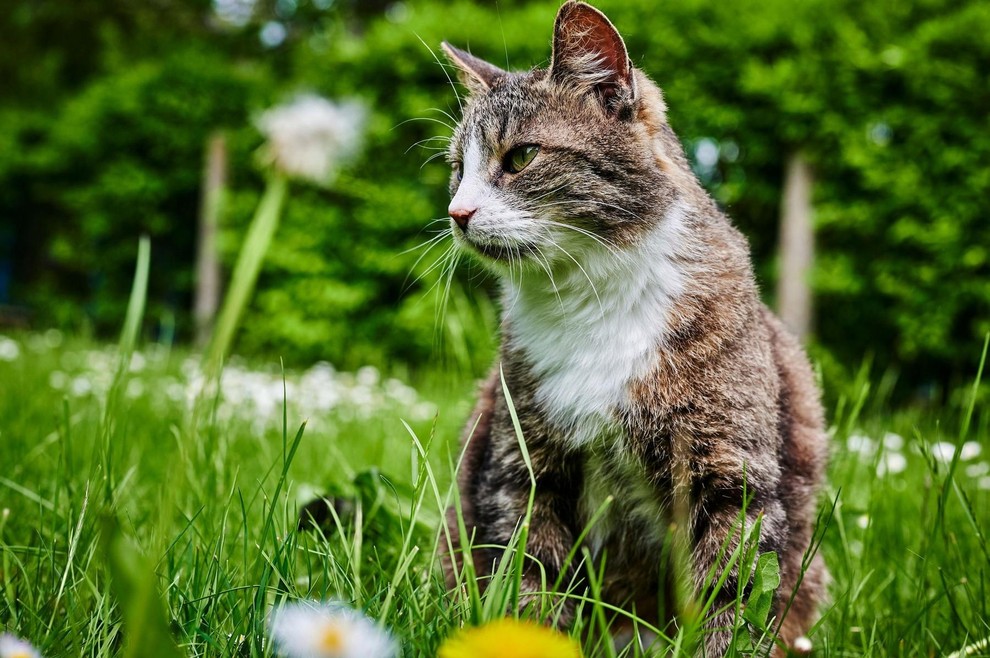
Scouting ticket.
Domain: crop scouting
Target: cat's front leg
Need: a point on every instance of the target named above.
(501, 500)
(728, 493)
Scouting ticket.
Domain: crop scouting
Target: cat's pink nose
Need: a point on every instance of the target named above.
(461, 215)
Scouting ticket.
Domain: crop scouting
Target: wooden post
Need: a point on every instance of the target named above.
(207, 297)
(797, 247)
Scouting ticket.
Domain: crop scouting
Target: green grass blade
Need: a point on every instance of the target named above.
(968, 416)
(134, 585)
(138, 299)
(256, 243)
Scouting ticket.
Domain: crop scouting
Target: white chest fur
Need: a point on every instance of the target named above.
(597, 328)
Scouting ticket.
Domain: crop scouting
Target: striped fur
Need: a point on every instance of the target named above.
(642, 363)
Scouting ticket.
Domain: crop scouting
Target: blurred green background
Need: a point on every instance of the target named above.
(107, 106)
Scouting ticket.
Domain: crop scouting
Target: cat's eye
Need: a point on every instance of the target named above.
(456, 167)
(519, 158)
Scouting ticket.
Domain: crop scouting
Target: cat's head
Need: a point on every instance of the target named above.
(551, 163)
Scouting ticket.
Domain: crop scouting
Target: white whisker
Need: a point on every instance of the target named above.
(444, 68)
(423, 143)
(601, 307)
(433, 266)
(541, 259)
(610, 246)
(604, 204)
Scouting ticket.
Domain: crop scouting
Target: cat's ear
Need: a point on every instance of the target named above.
(589, 52)
(476, 74)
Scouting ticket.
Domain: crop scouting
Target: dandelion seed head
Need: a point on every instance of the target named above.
(310, 136)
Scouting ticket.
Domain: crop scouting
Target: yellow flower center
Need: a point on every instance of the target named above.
(18, 653)
(332, 639)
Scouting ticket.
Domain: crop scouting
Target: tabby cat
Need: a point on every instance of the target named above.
(641, 362)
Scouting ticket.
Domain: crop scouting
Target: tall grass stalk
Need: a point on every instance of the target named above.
(252, 254)
(137, 300)
(128, 339)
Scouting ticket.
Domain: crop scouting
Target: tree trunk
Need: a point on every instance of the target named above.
(797, 247)
(207, 298)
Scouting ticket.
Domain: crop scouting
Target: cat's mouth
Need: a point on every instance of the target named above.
(503, 252)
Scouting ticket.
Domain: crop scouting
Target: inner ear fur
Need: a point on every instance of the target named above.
(589, 51)
(474, 73)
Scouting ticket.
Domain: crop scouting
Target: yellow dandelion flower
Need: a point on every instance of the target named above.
(509, 638)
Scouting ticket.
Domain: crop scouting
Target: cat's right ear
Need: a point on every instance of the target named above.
(476, 74)
(589, 54)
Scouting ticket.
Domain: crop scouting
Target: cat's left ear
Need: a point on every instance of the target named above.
(589, 52)
(476, 74)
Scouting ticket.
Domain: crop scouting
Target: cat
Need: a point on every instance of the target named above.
(638, 355)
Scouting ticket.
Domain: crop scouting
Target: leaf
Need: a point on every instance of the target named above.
(145, 626)
(766, 580)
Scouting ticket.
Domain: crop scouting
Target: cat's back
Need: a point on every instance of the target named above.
(801, 418)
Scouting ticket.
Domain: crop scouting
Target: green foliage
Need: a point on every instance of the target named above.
(887, 100)
(766, 580)
(136, 590)
(120, 159)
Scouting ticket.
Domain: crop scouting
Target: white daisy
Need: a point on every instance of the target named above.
(14, 647)
(892, 441)
(970, 450)
(891, 462)
(9, 349)
(310, 136)
(943, 451)
(310, 629)
(862, 444)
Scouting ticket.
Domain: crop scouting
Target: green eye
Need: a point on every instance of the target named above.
(519, 158)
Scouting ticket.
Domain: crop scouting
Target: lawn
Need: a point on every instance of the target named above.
(146, 474)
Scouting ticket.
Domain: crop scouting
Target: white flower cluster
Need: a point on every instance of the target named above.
(310, 136)
(10, 349)
(245, 393)
(892, 459)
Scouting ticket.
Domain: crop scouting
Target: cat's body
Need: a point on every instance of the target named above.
(646, 374)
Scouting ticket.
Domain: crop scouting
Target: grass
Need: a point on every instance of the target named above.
(118, 487)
